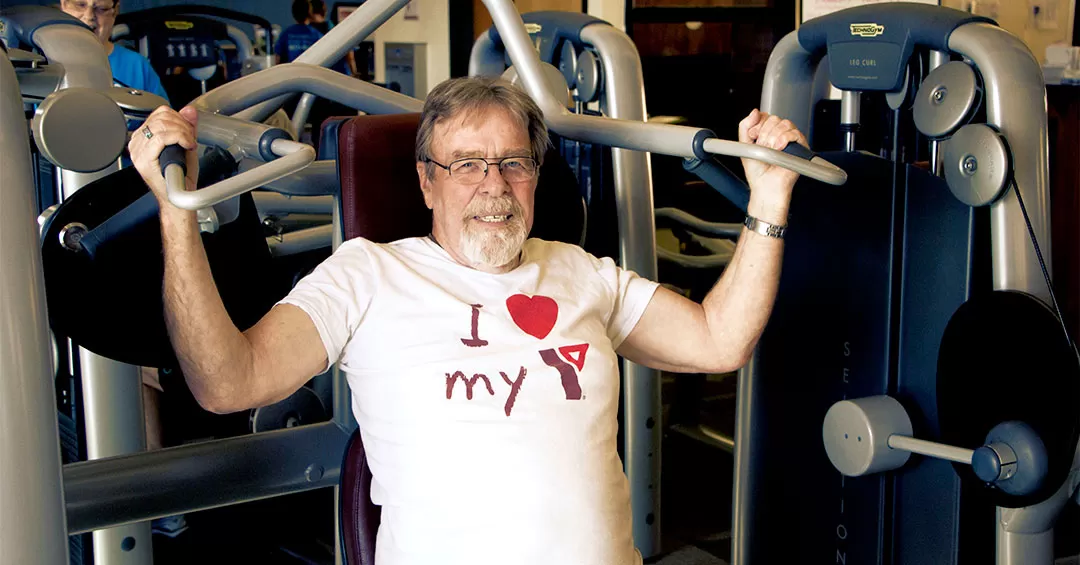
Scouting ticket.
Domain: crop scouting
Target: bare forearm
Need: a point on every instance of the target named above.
(214, 355)
(738, 307)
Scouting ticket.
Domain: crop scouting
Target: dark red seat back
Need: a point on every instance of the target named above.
(359, 516)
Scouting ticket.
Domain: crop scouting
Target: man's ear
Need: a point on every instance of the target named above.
(425, 183)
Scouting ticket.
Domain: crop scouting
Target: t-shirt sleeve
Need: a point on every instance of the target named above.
(336, 296)
(630, 295)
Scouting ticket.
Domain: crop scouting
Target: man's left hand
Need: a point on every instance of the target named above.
(775, 133)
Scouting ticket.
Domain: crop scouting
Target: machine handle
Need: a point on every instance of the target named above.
(931, 449)
(874, 434)
(814, 167)
(293, 157)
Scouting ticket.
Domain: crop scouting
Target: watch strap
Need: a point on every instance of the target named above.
(764, 228)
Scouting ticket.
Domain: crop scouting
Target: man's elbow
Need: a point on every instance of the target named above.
(217, 404)
(731, 359)
(220, 401)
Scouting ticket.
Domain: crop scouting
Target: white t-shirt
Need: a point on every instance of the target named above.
(487, 403)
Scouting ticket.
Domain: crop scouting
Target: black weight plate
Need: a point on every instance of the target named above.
(112, 305)
(1004, 356)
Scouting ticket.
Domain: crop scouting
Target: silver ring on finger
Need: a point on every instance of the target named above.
(147, 133)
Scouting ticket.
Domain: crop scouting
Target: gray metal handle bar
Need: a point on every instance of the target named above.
(816, 168)
(242, 139)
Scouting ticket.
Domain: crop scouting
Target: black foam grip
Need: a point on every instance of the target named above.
(799, 151)
(139, 211)
(267, 140)
(173, 154)
(716, 175)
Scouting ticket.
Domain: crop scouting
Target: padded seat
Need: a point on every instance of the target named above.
(381, 201)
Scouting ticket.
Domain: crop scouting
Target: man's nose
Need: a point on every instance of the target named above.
(494, 184)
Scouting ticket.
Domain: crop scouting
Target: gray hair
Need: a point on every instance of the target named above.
(470, 94)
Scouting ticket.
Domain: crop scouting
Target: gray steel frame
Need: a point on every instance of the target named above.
(32, 524)
(112, 391)
(1015, 101)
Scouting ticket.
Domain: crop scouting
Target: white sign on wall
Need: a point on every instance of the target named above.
(816, 8)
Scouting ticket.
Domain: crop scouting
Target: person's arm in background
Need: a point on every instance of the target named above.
(350, 58)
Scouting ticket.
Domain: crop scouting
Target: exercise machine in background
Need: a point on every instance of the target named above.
(194, 48)
(914, 305)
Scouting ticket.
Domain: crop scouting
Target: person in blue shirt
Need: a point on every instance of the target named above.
(345, 65)
(310, 27)
(128, 67)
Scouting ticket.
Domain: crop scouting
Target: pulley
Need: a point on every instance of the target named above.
(946, 99)
(80, 129)
(976, 162)
(568, 63)
(588, 77)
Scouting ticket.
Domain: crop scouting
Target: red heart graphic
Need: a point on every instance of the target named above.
(535, 316)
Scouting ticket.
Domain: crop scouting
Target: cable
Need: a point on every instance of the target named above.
(1046, 275)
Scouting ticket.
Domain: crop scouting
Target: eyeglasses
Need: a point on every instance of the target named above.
(474, 170)
(100, 10)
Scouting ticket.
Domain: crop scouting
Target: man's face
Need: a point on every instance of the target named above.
(100, 15)
(482, 225)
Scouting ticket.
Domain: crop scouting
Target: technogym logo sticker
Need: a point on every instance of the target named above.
(867, 30)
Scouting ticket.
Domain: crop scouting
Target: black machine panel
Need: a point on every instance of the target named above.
(891, 238)
(945, 260)
(828, 339)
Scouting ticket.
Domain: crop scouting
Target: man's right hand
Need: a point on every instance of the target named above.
(166, 127)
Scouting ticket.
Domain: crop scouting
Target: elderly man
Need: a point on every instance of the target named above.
(483, 364)
(128, 67)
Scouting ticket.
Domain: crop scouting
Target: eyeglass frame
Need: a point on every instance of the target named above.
(487, 165)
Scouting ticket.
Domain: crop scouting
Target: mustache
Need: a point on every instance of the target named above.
(491, 206)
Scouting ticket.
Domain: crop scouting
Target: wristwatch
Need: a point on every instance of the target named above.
(764, 228)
